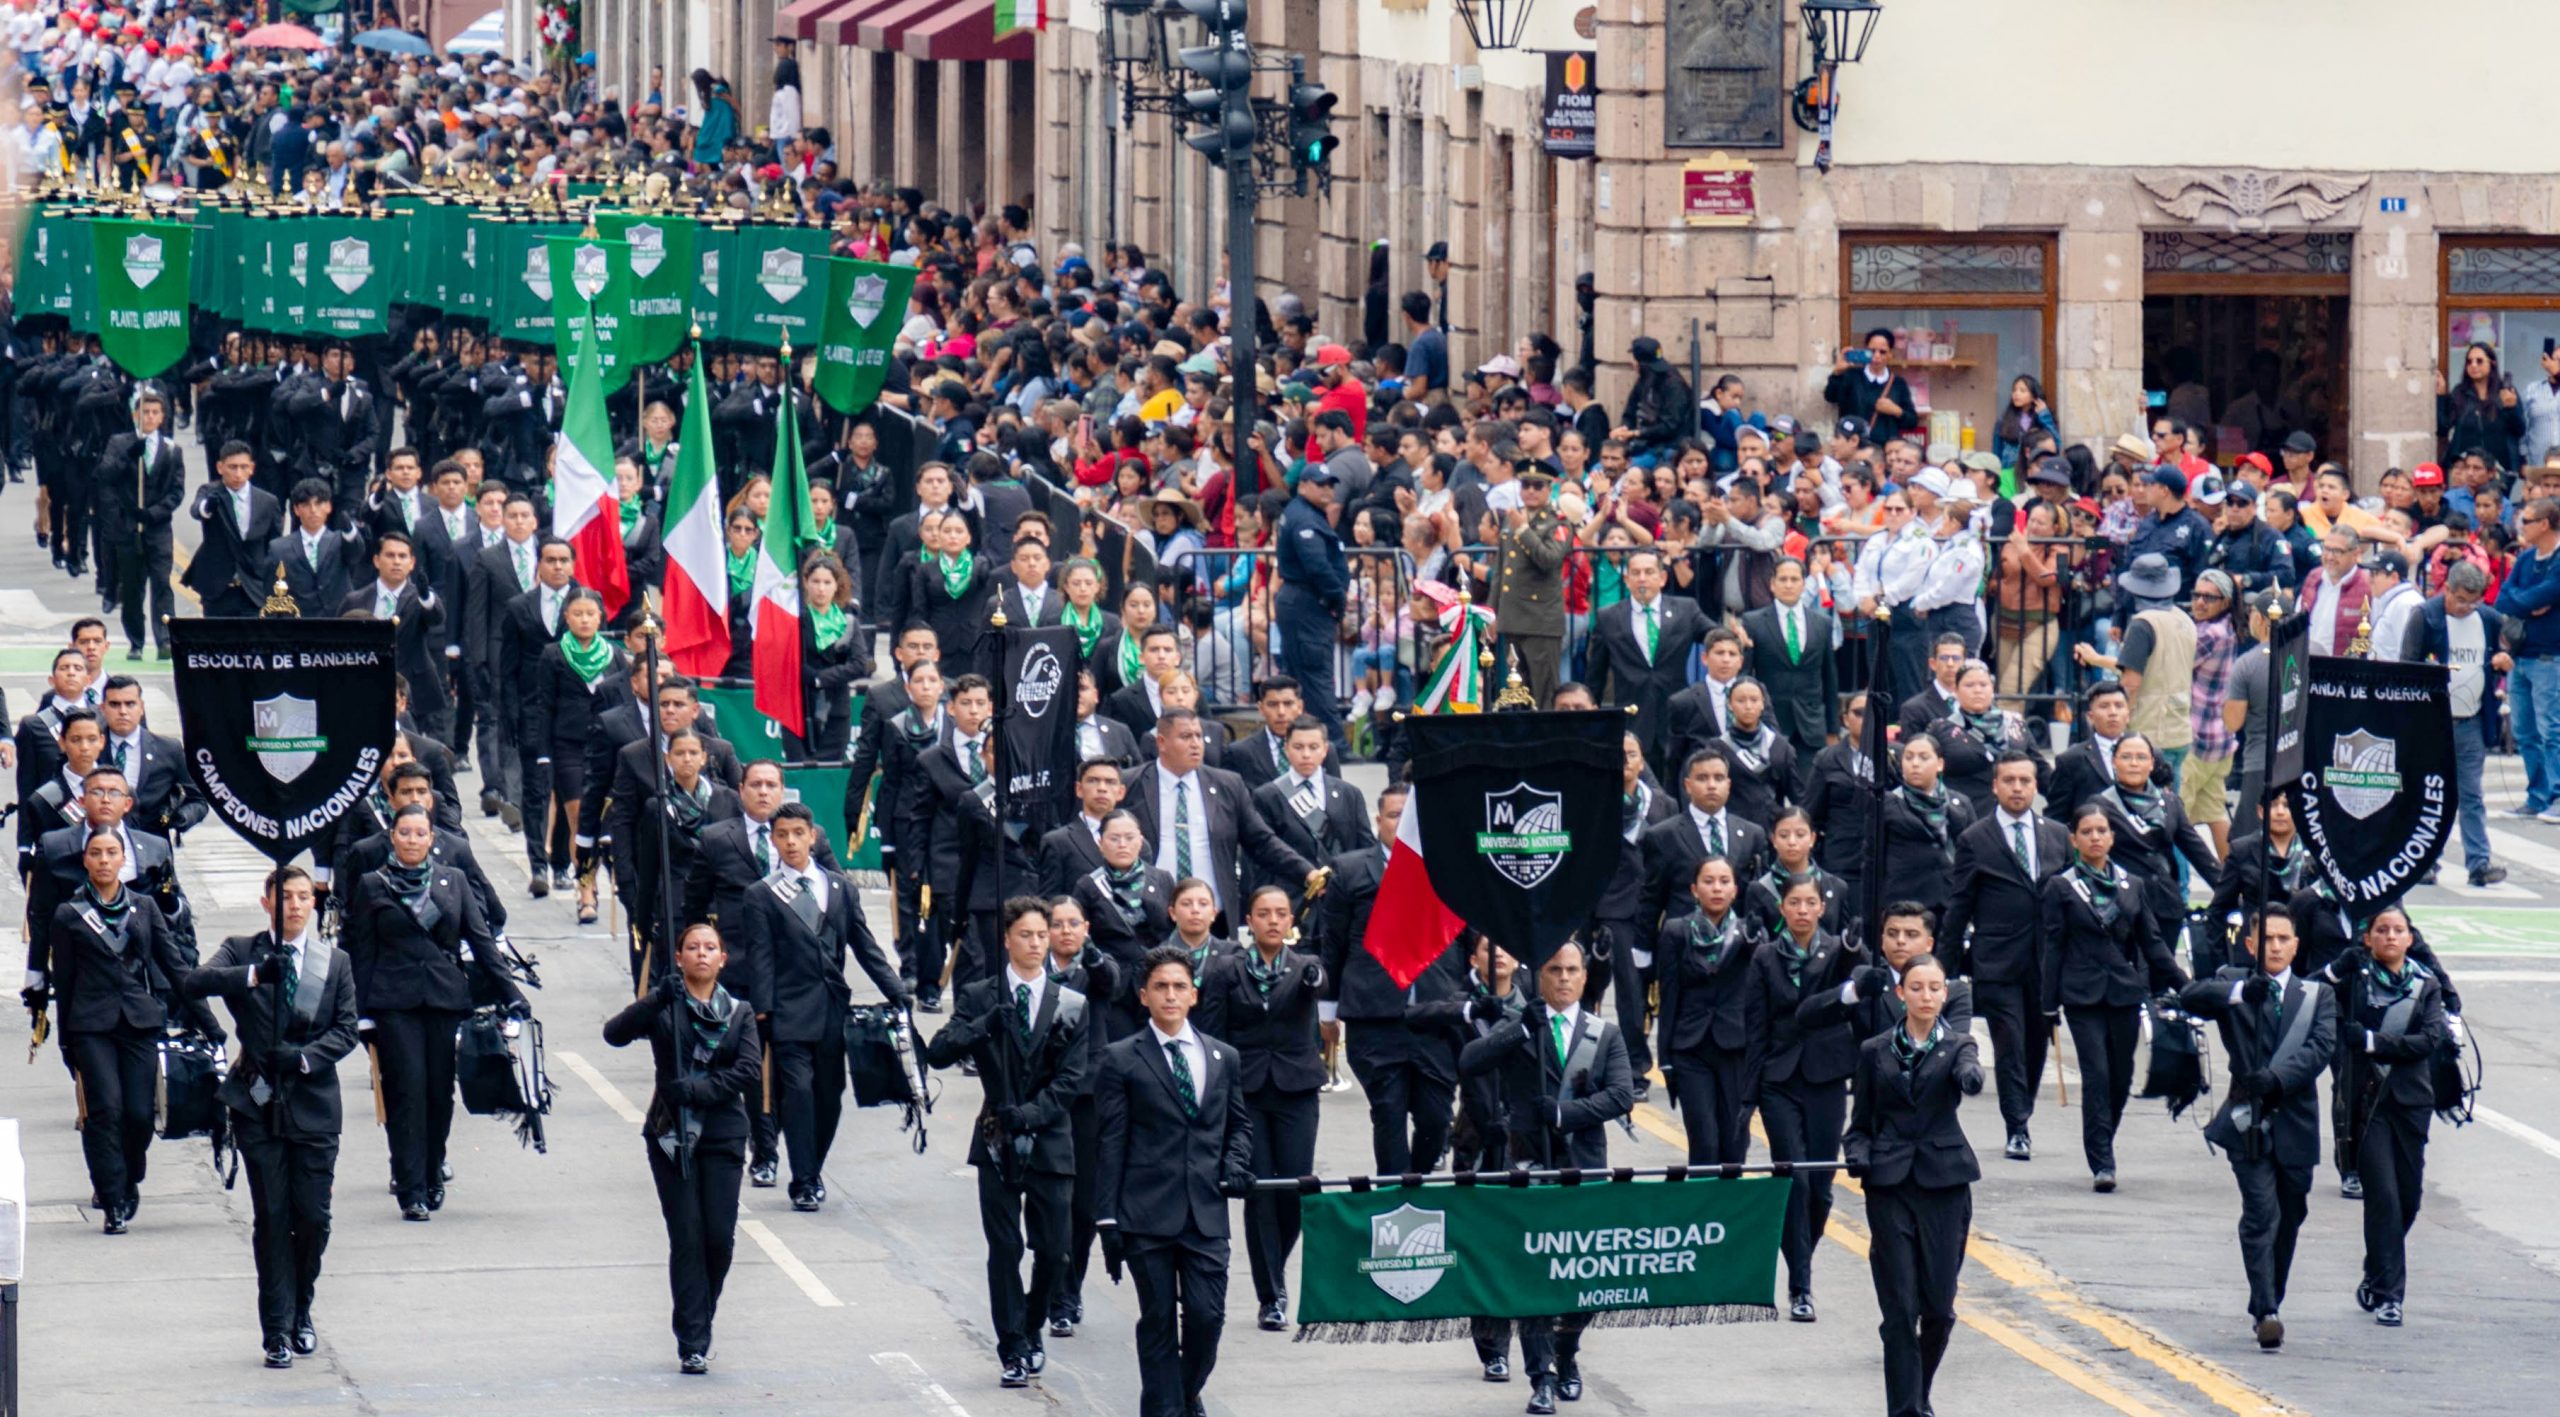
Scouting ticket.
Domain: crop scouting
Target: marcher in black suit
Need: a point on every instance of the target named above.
(1176, 1144)
(2391, 1024)
(911, 846)
(320, 562)
(141, 479)
(1128, 908)
(1180, 790)
(882, 698)
(1979, 733)
(2087, 767)
(689, 800)
(1640, 650)
(334, 416)
(1027, 1035)
(1935, 699)
(1262, 999)
(2002, 862)
(1263, 754)
(230, 573)
(417, 615)
(1072, 966)
(952, 588)
(2098, 958)
(1565, 1078)
(1763, 764)
(1029, 601)
(1905, 1144)
(165, 801)
(150, 868)
(1922, 819)
(1617, 938)
(1804, 1072)
(1791, 656)
(1791, 844)
(573, 677)
(1099, 735)
(1835, 796)
(1697, 715)
(1318, 815)
(1674, 846)
(1139, 702)
(1071, 852)
(1491, 999)
(1396, 1047)
(423, 957)
(708, 1056)
(805, 918)
(2278, 1032)
(362, 841)
(286, 1116)
(977, 859)
(54, 802)
(2152, 831)
(833, 654)
(38, 737)
(114, 964)
(503, 571)
(532, 623)
(1710, 1056)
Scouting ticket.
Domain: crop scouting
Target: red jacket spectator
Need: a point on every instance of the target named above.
(1345, 393)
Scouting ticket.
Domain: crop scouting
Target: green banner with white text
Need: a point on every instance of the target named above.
(142, 274)
(662, 280)
(1415, 1264)
(593, 276)
(866, 303)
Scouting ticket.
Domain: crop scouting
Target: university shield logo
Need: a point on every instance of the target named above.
(587, 272)
(1524, 836)
(782, 276)
(711, 273)
(350, 264)
(1408, 1250)
(1037, 688)
(471, 248)
(537, 271)
(648, 247)
(142, 260)
(2364, 773)
(869, 294)
(284, 732)
(300, 266)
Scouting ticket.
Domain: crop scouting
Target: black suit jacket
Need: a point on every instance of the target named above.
(1343, 819)
(490, 587)
(132, 498)
(1274, 1035)
(164, 796)
(964, 865)
(58, 873)
(452, 848)
(1556, 1113)
(724, 869)
(718, 1091)
(1994, 895)
(516, 661)
(230, 557)
(1706, 1004)
(95, 985)
(1233, 821)
(798, 973)
(1257, 757)
(320, 1027)
(1620, 676)
(418, 635)
(2286, 1126)
(319, 590)
(1689, 720)
(1159, 1167)
(1029, 1087)
(1672, 851)
(1902, 1124)
(1130, 705)
(1111, 739)
(1804, 695)
(1790, 1051)
(2088, 962)
(400, 964)
(2079, 773)
(1067, 855)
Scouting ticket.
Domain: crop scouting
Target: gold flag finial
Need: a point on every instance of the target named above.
(280, 600)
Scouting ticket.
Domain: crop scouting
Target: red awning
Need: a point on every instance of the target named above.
(887, 29)
(800, 17)
(966, 30)
(841, 24)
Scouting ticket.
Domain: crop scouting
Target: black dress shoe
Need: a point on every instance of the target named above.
(435, 1197)
(2104, 1183)
(1800, 1309)
(761, 1175)
(818, 1189)
(2365, 1299)
(802, 1198)
(1542, 1397)
(1060, 1326)
(2387, 1313)
(1271, 1319)
(694, 1365)
(414, 1210)
(114, 1224)
(2019, 1148)
(278, 1356)
(1644, 1088)
(928, 1003)
(2488, 875)
(1016, 1373)
(510, 814)
(1037, 1360)
(1497, 1370)
(2351, 1186)
(444, 1171)
(1569, 1381)
(2270, 1333)
(541, 885)
(306, 1340)
(489, 803)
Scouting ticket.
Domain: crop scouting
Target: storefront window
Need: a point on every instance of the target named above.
(2505, 294)
(1969, 317)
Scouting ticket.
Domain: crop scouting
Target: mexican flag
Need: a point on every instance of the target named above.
(1015, 15)
(1456, 685)
(697, 589)
(584, 510)
(789, 529)
(1408, 925)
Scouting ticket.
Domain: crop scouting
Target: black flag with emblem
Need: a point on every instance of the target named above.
(1519, 819)
(2377, 793)
(286, 722)
(1036, 735)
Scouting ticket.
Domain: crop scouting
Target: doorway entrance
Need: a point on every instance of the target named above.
(2244, 336)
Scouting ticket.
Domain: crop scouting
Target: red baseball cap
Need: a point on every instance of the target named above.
(2259, 461)
(1331, 354)
(2426, 474)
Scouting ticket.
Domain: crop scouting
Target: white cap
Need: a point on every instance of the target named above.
(1932, 481)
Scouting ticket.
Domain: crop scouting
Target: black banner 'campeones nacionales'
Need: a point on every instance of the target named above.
(286, 723)
(2376, 793)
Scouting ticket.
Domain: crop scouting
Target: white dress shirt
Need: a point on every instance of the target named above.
(815, 880)
(1723, 824)
(1166, 785)
(1192, 1053)
(2009, 837)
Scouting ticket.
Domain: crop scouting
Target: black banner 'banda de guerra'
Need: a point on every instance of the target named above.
(1037, 741)
(286, 722)
(2377, 791)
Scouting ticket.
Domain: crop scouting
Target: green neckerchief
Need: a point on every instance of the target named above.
(710, 1021)
(1128, 891)
(2288, 867)
(957, 571)
(2143, 807)
(742, 574)
(689, 806)
(2389, 987)
(1088, 629)
(1932, 807)
(829, 623)
(589, 659)
(2102, 886)
(1131, 662)
(1990, 727)
(1911, 1053)
(1200, 956)
(1793, 958)
(919, 730)
(650, 457)
(1709, 935)
(630, 514)
(1263, 975)
(410, 883)
(113, 914)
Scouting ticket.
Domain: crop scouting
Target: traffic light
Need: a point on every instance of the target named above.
(1224, 110)
(1311, 136)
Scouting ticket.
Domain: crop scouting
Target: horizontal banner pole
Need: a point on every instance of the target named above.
(1564, 1176)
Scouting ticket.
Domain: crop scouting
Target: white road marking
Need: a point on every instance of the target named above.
(613, 1096)
(2540, 1141)
(912, 1372)
(789, 1263)
(2523, 851)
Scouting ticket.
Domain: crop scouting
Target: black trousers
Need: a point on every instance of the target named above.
(1409, 1103)
(69, 512)
(1549, 1343)
(414, 1050)
(119, 1074)
(923, 940)
(701, 1212)
(1804, 1121)
(1069, 1295)
(1284, 1144)
(142, 561)
(230, 603)
(436, 721)
(2274, 1199)
(1632, 982)
(2020, 1038)
(1182, 1309)
(808, 1090)
(499, 770)
(2103, 1036)
(289, 1181)
(1915, 1251)
(546, 847)
(1033, 1214)
(1709, 1086)
(2391, 1155)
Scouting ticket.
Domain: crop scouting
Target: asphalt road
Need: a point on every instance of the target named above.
(540, 1285)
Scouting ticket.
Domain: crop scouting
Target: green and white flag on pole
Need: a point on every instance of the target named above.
(662, 280)
(142, 280)
(591, 281)
(866, 303)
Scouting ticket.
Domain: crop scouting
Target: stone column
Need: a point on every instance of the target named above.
(2396, 347)
(2097, 341)
(1341, 256)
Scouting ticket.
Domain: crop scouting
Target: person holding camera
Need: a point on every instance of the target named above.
(1027, 1034)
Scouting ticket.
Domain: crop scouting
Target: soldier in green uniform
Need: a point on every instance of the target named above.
(1528, 583)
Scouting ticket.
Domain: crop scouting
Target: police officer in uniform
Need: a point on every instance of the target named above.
(1314, 578)
(1528, 583)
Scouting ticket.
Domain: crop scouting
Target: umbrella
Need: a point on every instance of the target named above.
(282, 37)
(392, 42)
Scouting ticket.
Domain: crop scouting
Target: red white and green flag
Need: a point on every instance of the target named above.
(790, 528)
(696, 606)
(1016, 15)
(1456, 685)
(1408, 923)
(584, 510)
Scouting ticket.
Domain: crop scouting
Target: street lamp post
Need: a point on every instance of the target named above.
(1838, 31)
